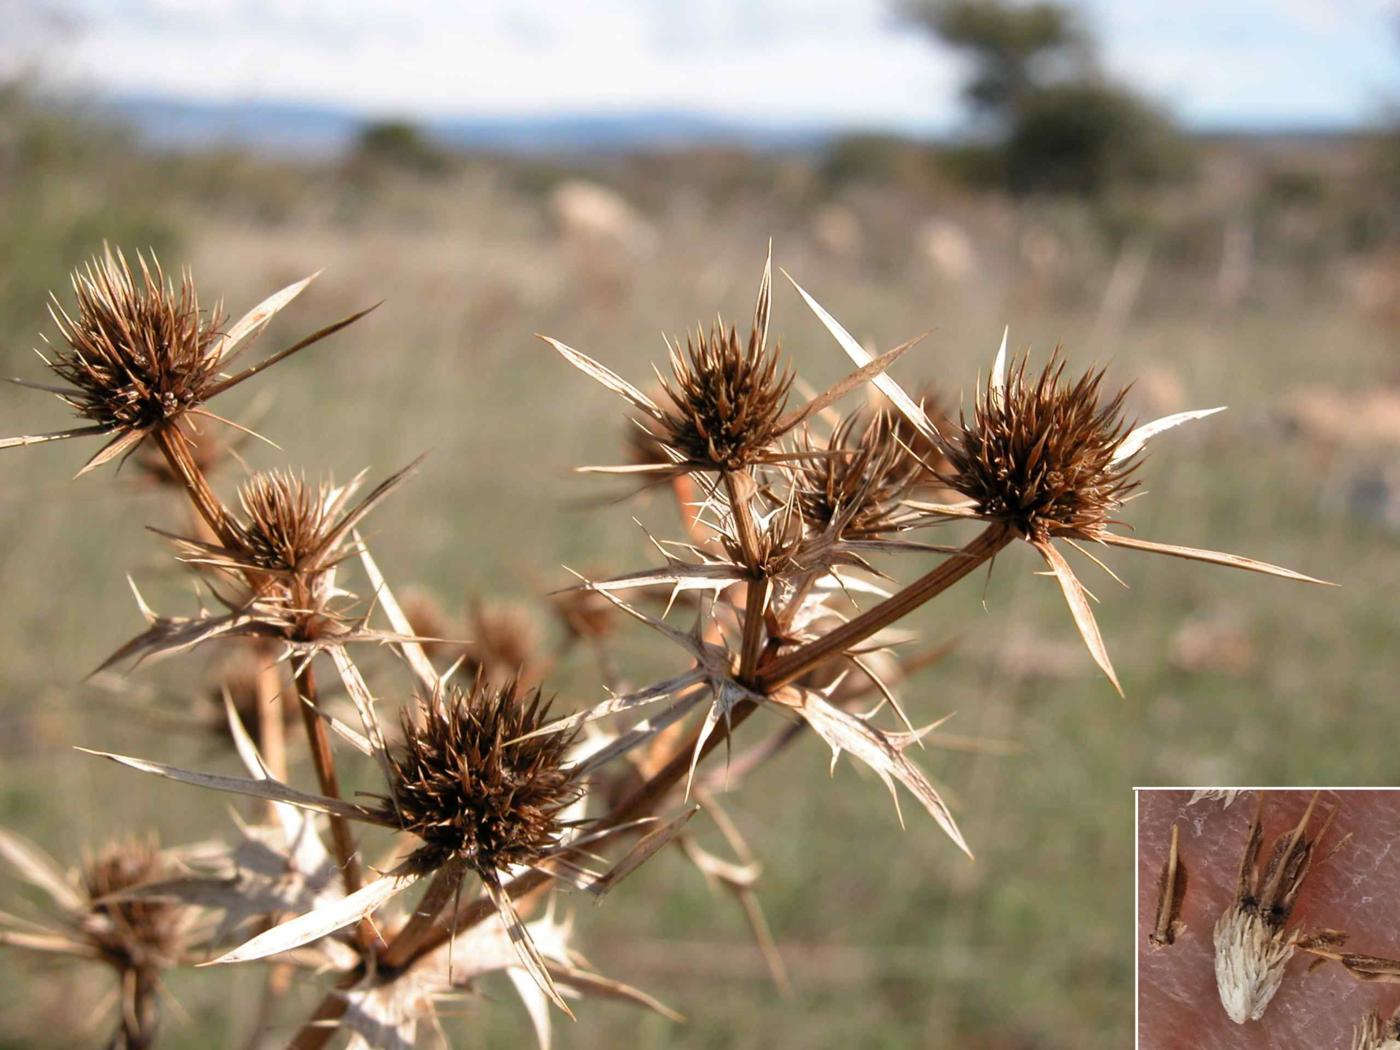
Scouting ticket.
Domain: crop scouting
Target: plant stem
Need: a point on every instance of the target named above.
(140, 1011)
(173, 444)
(443, 887)
(737, 486)
(319, 743)
(795, 664)
(272, 737)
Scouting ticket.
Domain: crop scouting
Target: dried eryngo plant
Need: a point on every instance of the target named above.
(1253, 941)
(141, 359)
(1047, 458)
(1171, 890)
(1373, 1033)
(480, 790)
(94, 918)
(785, 508)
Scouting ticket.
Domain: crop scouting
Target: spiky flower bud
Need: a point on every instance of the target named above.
(726, 399)
(1039, 453)
(137, 934)
(858, 486)
(286, 520)
(470, 789)
(138, 353)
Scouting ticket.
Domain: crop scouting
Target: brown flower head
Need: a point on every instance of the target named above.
(133, 934)
(286, 522)
(858, 487)
(1039, 454)
(726, 401)
(466, 786)
(140, 355)
(139, 352)
(725, 406)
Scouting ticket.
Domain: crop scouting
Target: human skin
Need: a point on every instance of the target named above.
(1356, 890)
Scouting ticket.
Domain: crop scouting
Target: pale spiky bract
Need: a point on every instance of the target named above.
(1250, 957)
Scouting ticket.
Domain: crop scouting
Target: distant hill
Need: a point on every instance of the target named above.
(310, 129)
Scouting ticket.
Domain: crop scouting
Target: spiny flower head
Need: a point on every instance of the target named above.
(723, 407)
(859, 485)
(139, 352)
(130, 934)
(1039, 454)
(470, 789)
(287, 522)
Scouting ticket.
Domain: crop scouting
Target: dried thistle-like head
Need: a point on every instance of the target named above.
(726, 400)
(859, 484)
(470, 789)
(131, 934)
(286, 521)
(1039, 454)
(139, 352)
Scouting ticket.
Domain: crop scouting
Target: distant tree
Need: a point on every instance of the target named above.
(1055, 123)
(399, 143)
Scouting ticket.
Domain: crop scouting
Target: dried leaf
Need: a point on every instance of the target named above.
(606, 376)
(1233, 561)
(857, 353)
(525, 949)
(1139, 436)
(38, 869)
(844, 731)
(269, 790)
(256, 318)
(322, 922)
(1079, 608)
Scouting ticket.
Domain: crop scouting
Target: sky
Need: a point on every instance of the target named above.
(1217, 63)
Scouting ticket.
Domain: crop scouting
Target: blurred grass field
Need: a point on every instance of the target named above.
(892, 939)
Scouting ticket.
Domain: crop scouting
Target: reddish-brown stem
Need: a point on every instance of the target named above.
(738, 486)
(795, 664)
(755, 606)
(140, 1011)
(321, 757)
(272, 737)
(442, 888)
(175, 447)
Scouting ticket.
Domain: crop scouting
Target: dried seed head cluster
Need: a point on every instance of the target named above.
(139, 352)
(859, 486)
(286, 521)
(470, 789)
(131, 934)
(1039, 453)
(724, 404)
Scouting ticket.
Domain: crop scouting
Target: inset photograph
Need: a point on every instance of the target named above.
(1268, 918)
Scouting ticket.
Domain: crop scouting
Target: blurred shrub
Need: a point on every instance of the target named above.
(399, 144)
(1051, 121)
(1086, 137)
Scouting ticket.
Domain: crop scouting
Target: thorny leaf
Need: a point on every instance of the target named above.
(844, 731)
(324, 920)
